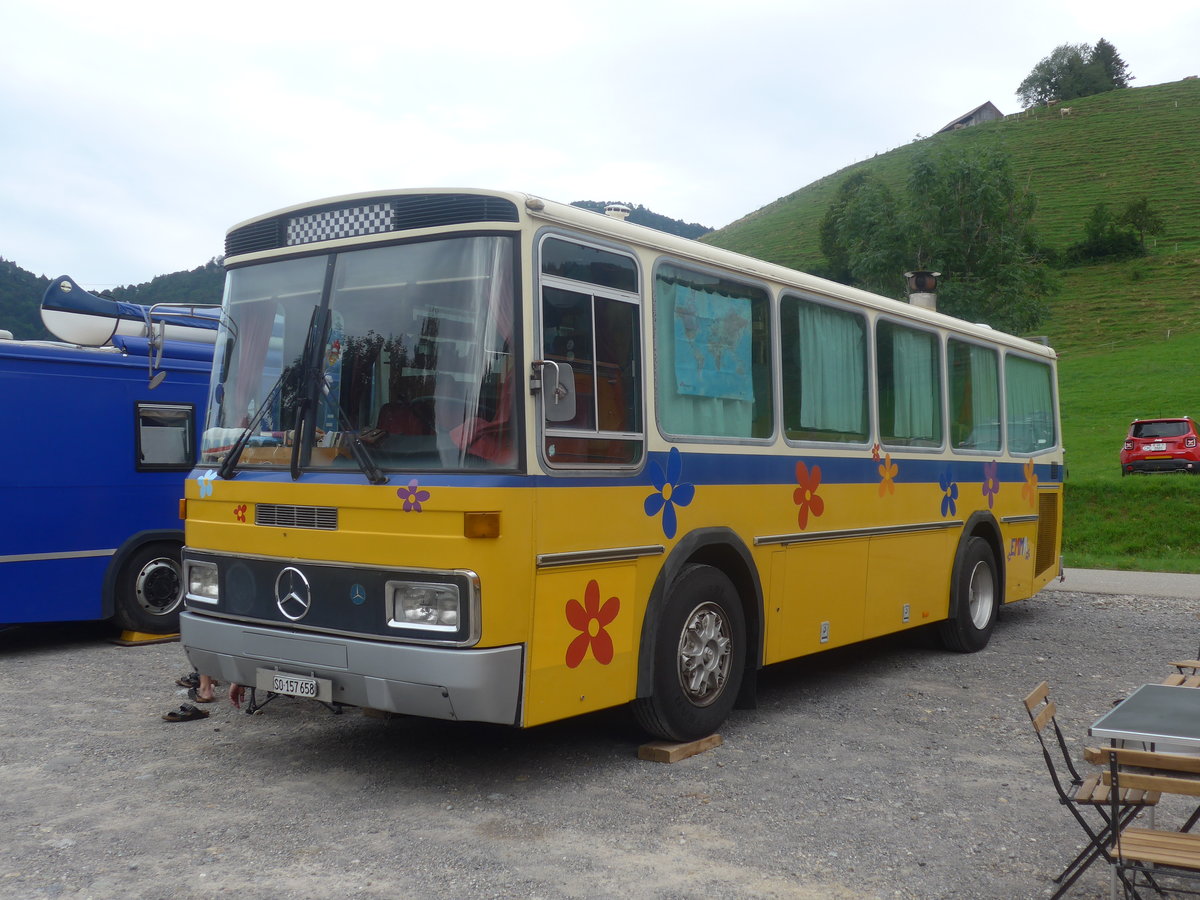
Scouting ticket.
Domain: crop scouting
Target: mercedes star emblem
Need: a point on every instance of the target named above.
(292, 594)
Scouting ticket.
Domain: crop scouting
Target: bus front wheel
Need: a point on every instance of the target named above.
(699, 657)
(149, 589)
(974, 599)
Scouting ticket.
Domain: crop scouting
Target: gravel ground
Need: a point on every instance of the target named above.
(891, 769)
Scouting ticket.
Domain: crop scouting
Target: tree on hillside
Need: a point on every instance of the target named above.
(1104, 237)
(203, 284)
(963, 214)
(1107, 61)
(1141, 218)
(860, 236)
(1072, 71)
(20, 302)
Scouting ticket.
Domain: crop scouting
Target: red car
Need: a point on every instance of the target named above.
(1161, 445)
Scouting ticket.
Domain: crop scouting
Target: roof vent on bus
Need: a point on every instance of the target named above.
(922, 288)
(617, 211)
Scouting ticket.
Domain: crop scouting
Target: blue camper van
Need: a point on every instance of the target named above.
(99, 433)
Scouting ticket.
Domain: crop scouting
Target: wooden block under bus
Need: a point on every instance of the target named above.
(669, 752)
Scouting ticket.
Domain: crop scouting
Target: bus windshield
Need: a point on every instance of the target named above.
(414, 359)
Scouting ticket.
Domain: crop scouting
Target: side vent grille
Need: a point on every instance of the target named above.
(434, 210)
(265, 235)
(1046, 530)
(323, 518)
(383, 215)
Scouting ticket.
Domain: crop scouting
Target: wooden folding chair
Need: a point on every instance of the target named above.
(1178, 679)
(1078, 793)
(1150, 855)
(1187, 673)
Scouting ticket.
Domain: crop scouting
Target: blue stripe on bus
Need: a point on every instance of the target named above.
(707, 469)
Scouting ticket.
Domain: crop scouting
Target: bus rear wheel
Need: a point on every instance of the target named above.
(149, 589)
(974, 599)
(699, 657)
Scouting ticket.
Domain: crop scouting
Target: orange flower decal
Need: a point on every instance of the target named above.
(1029, 488)
(590, 619)
(239, 512)
(887, 472)
(805, 496)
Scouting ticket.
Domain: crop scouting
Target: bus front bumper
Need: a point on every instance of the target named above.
(434, 682)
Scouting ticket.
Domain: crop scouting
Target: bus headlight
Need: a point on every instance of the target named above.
(415, 604)
(202, 582)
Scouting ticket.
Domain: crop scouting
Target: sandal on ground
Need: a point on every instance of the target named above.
(192, 680)
(185, 713)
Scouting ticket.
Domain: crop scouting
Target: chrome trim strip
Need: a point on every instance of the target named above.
(612, 554)
(1013, 520)
(880, 531)
(35, 557)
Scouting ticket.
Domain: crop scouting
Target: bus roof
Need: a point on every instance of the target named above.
(620, 230)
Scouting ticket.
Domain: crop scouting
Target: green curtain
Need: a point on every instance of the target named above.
(1030, 405)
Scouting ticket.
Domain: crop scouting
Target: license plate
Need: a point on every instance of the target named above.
(292, 685)
(1150, 448)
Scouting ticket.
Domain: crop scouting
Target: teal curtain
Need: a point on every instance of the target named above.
(917, 387)
(985, 397)
(1030, 405)
(833, 395)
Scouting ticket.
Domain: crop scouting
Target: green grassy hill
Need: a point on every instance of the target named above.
(1128, 333)
(1112, 148)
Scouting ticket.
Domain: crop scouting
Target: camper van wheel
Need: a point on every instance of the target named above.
(150, 589)
(699, 656)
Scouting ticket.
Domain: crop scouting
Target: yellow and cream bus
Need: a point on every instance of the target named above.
(481, 456)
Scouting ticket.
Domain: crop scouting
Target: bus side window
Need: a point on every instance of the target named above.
(1029, 404)
(974, 397)
(594, 329)
(824, 372)
(908, 362)
(713, 353)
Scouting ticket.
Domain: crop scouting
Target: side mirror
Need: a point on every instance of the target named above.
(558, 395)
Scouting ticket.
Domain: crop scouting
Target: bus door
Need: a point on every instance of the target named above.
(587, 616)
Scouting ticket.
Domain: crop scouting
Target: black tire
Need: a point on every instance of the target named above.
(149, 589)
(974, 599)
(699, 657)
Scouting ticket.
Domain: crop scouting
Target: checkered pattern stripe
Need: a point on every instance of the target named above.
(339, 223)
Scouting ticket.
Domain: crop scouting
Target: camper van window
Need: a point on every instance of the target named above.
(165, 436)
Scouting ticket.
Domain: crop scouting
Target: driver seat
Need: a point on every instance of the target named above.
(399, 418)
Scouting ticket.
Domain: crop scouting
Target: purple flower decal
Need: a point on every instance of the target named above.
(949, 493)
(991, 482)
(413, 496)
(669, 492)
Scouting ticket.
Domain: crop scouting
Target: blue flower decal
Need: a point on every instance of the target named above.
(669, 492)
(206, 482)
(949, 493)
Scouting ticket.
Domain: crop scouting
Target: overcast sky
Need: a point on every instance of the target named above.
(134, 134)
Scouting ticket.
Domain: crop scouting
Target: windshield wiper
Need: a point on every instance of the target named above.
(230, 462)
(358, 449)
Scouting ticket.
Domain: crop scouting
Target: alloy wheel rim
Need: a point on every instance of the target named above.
(982, 594)
(705, 654)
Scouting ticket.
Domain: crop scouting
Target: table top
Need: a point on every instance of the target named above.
(1154, 714)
